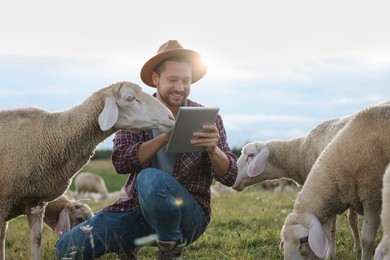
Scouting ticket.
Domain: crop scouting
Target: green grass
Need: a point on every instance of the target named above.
(244, 225)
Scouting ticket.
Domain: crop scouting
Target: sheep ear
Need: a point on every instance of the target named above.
(63, 224)
(317, 239)
(109, 115)
(281, 245)
(258, 164)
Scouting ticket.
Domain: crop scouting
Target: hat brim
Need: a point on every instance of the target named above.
(198, 68)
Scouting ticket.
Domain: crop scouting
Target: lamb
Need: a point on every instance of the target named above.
(347, 174)
(87, 182)
(61, 215)
(382, 252)
(293, 159)
(40, 152)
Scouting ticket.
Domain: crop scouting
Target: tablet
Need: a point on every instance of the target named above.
(189, 120)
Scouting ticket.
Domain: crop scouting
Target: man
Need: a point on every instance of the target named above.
(168, 193)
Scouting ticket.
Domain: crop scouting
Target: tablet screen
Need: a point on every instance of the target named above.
(189, 120)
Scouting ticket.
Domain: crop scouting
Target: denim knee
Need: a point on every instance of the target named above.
(150, 179)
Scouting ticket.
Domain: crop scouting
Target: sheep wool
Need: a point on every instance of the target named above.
(41, 151)
(348, 173)
(293, 159)
(382, 252)
(60, 215)
(274, 159)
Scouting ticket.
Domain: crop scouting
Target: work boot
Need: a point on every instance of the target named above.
(170, 250)
(130, 255)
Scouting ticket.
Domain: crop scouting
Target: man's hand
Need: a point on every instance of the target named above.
(207, 139)
(165, 136)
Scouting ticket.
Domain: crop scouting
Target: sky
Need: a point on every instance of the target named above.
(276, 69)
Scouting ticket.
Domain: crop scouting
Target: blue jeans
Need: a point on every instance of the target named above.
(167, 209)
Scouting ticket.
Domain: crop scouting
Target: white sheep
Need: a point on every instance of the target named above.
(382, 252)
(96, 197)
(61, 215)
(293, 159)
(42, 151)
(87, 182)
(347, 174)
(274, 159)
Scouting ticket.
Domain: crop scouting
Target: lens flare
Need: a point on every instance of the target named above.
(179, 202)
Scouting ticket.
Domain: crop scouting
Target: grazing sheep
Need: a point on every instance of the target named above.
(61, 215)
(87, 182)
(382, 252)
(293, 159)
(347, 174)
(96, 197)
(40, 151)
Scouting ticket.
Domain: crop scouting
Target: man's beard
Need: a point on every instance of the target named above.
(166, 99)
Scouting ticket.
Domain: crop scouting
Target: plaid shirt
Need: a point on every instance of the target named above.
(193, 170)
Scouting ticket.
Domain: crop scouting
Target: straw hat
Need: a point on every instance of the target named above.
(170, 49)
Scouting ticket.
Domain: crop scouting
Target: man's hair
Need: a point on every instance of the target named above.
(160, 67)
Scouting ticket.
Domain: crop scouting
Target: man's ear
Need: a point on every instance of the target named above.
(155, 78)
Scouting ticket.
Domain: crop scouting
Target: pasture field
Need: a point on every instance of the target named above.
(245, 226)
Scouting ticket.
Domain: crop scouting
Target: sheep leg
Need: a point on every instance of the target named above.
(3, 232)
(331, 253)
(330, 231)
(35, 219)
(370, 227)
(353, 219)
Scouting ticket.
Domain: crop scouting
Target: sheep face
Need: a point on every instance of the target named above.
(71, 215)
(303, 237)
(251, 164)
(128, 107)
(81, 213)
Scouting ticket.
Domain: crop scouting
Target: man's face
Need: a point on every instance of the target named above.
(174, 83)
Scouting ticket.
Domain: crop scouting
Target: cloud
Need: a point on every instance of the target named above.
(368, 99)
(302, 71)
(241, 121)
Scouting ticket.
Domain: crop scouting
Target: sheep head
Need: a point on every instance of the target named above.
(303, 237)
(71, 215)
(251, 164)
(126, 106)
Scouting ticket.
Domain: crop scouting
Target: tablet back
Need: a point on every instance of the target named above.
(189, 120)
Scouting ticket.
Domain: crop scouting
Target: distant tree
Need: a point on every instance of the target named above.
(102, 154)
(236, 151)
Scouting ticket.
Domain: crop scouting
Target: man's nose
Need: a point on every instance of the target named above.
(179, 86)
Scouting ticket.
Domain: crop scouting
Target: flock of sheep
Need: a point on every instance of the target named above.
(341, 164)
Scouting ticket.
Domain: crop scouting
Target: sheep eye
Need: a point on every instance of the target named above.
(131, 99)
(303, 240)
(251, 155)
